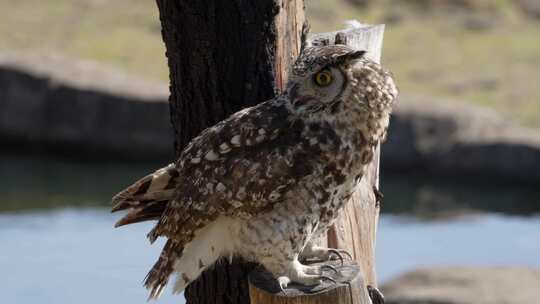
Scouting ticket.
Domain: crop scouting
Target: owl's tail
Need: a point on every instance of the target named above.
(189, 261)
(147, 198)
(157, 278)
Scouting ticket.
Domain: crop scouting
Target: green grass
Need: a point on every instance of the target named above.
(435, 54)
(430, 53)
(498, 68)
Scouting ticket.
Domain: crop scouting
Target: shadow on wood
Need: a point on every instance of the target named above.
(264, 289)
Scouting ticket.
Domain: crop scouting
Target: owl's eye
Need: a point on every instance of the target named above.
(323, 78)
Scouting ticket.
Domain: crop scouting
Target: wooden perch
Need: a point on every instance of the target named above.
(263, 289)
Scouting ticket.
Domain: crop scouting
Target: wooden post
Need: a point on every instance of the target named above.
(355, 230)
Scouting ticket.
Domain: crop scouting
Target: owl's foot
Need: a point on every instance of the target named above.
(338, 254)
(319, 269)
(283, 283)
(325, 254)
(305, 275)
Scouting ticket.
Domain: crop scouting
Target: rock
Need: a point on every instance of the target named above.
(425, 4)
(452, 138)
(480, 21)
(74, 107)
(531, 8)
(48, 102)
(360, 3)
(465, 285)
(462, 5)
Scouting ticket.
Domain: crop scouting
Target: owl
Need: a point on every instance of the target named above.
(266, 181)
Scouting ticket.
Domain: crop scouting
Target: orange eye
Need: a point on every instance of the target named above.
(323, 78)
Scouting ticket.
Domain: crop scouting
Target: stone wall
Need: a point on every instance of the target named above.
(465, 285)
(70, 107)
(50, 104)
(452, 138)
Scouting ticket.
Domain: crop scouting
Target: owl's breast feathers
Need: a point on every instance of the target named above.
(247, 163)
(240, 167)
(244, 166)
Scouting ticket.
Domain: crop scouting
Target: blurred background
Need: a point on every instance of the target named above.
(460, 171)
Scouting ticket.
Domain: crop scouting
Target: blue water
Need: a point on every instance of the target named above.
(58, 246)
(75, 256)
(489, 239)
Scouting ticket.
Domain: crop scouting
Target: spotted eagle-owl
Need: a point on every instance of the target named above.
(263, 182)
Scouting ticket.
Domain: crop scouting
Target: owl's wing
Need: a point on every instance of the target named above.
(240, 167)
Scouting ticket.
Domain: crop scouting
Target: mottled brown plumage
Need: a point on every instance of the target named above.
(263, 182)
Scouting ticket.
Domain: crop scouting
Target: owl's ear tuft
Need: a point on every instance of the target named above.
(356, 54)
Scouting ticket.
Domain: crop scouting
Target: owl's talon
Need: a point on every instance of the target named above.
(335, 252)
(330, 267)
(283, 282)
(339, 253)
(347, 254)
(328, 278)
(305, 275)
(324, 254)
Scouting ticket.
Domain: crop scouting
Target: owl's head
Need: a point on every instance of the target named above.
(336, 76)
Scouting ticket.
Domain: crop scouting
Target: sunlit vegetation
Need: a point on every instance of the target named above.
(486, 53)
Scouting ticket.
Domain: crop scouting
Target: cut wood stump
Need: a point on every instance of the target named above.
(264, 289)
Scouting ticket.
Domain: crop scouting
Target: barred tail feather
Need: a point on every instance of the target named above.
(157, 278)
(189, 261)
(148, 197)
(148, 211)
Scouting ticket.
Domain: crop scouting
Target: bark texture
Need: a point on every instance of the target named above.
(225, 55)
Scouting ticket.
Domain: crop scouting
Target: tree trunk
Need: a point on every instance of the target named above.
(225, 55)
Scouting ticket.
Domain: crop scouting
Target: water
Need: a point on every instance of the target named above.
(58, 245)
(73, 256)
(490, 239)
